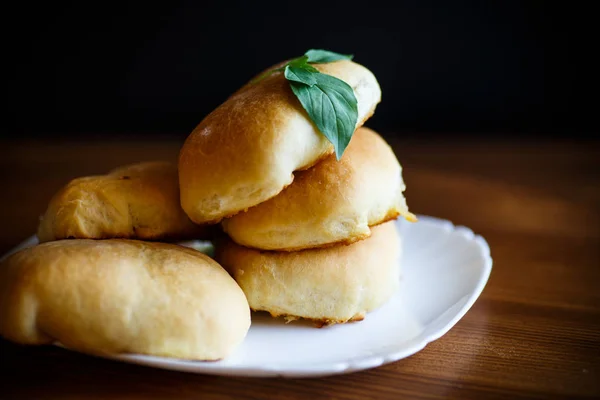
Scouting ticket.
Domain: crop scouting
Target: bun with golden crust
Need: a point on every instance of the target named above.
(139, 201)
(330, 285)
(122, 296)
(246, 150)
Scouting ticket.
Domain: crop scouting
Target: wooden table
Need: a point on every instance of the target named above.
(534, 332)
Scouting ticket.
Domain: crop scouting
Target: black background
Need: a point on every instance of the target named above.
(494, 67)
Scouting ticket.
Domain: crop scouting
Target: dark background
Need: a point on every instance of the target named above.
(494, 67)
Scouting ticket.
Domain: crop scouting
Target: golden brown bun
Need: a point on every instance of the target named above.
(122, 296)
(331, 285)
(246, 150)
(138, 201)
(332, 202)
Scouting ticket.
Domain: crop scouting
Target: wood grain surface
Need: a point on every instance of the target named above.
(534, 332)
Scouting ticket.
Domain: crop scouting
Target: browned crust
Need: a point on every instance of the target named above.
(317, 322)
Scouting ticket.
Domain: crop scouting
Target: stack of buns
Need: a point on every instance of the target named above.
(297, 233)
(307, 233)
(325, 248)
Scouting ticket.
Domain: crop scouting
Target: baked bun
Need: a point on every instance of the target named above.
(246, 150)
(122, 296)
(332, 202)
(139, 201)
(331, 285)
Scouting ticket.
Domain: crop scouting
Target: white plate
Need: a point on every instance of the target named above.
(445, 270)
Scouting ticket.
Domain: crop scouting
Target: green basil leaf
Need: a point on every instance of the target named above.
(298, 62)
(301, 74)
(332, 106)
(317, 56)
